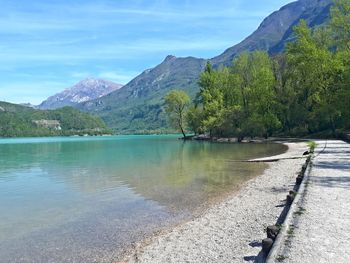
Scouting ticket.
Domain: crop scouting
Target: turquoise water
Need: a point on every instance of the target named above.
(87, 199)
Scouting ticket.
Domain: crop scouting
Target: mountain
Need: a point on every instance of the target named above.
(85, 90)
(277, 28)
(138, 106)
(21, 121)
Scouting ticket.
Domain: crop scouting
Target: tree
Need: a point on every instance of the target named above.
(194, 119)
(340, 23)
(176, 103)
(314, 70)
(211, 97)
(254, 93)
(240, 100)
(340, 26)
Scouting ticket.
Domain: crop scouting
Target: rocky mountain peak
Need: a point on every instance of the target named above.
(169, 58)
(85, 90)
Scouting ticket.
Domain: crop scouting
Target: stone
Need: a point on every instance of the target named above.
(272, 232)
(267, 245)
(299, 179)
(290, 199)
(293, 193)
(303, 168)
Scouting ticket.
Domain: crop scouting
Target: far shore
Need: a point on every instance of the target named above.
(232, 230)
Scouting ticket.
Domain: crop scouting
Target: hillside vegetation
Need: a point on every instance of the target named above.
(305, 90)
(21, 121)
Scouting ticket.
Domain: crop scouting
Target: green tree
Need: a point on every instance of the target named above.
(254, 91)
(314, 70)
(211, 97)
(340, 27)
(194, 119)
(176, 104)
(340, 23)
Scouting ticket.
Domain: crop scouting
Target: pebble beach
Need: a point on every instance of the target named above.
(232, 230)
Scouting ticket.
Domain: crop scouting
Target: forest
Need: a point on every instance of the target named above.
(21, 121)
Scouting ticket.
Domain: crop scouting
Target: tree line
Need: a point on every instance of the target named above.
(305, 90)
(21, 121)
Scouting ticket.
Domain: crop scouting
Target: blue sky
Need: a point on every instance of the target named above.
(49, 45)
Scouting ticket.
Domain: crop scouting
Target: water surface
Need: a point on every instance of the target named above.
(87, 199)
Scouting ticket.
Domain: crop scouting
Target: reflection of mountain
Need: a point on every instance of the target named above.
(173, 173)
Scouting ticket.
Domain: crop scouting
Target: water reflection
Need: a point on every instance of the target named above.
(118, 188)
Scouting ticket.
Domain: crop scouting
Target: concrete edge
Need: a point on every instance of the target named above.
(273, 254)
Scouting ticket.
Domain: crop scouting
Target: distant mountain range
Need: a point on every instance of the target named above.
(85, 90)
(138, 106)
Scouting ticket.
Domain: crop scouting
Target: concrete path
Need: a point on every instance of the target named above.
(320, 228)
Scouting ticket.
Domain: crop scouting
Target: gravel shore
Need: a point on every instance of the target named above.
(232, 230)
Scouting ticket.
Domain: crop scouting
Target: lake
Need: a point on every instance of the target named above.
(87, 199)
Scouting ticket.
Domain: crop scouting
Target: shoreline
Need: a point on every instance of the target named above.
(230, 230)
(317, 227)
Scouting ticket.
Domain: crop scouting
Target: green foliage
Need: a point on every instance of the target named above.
(340, 26)
(256, 81)
(314, 70)
(212, 98)
(20, 121)
(304, 91)
(176, 103)
(312, 145)
(238, 100)
(194, 118)
(340, 23)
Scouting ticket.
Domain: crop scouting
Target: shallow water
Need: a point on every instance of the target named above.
(87, 199)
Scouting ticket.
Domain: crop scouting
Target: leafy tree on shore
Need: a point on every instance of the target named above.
(239, 100)
(176, 104)
(314, 69)
(340, 27)
(256, 81)
(212, 99)
(194, 119)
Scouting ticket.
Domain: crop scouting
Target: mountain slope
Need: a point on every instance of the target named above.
(277, 28)
(85, 90)
(20, 121)
(137, 107)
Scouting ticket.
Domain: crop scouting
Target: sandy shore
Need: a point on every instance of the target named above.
(232, 230)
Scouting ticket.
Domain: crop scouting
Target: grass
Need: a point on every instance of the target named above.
(312, 145)
(280, 258)
(300, 211)
(290, 231)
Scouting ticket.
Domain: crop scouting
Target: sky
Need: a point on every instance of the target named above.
(47, 46)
